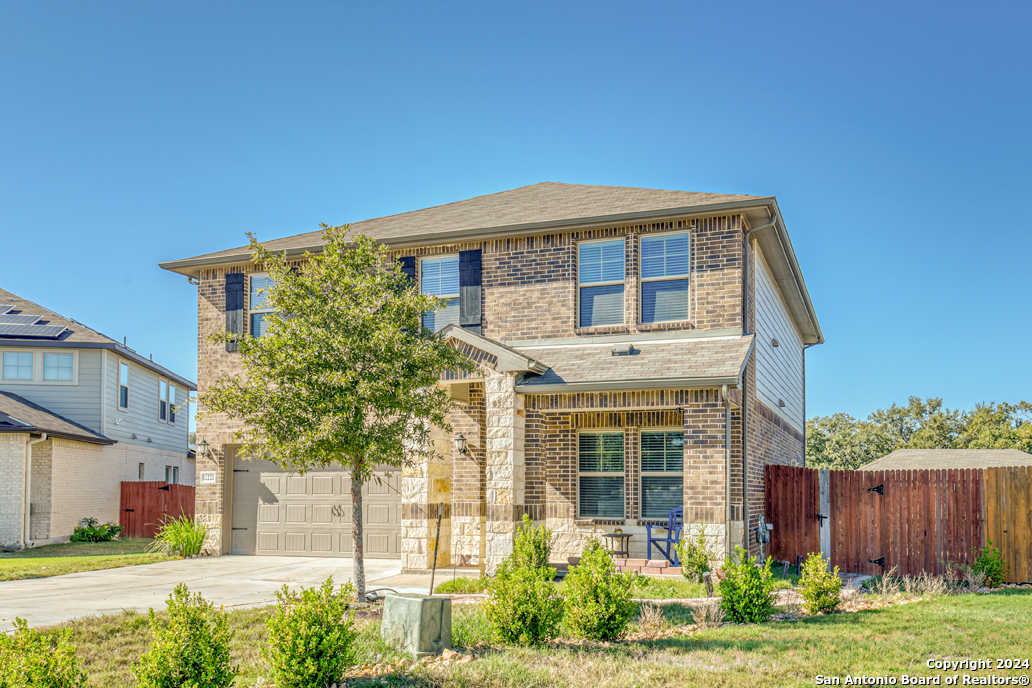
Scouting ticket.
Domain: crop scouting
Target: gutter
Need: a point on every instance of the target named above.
(26, 517)
(745, 272)
(657, 383)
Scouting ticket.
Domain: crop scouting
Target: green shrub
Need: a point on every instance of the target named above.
(91, 531)
(746, 590)
(694, 556)
(523, 604)
(179, 537)
(190, 648)
(311, 636)
(598, 599)
(462, 586)
(470, 626)
(819, 587)
(33, 659)
(531, 546)
(990, 564)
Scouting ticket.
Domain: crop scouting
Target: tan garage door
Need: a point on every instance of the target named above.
(281, 513)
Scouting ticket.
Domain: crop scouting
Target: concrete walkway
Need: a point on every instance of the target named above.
(231, 581)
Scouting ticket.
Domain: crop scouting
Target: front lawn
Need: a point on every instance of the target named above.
(888, 641)
(73, 557)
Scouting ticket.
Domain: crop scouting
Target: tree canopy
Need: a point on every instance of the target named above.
(343, 372)
(842, 442)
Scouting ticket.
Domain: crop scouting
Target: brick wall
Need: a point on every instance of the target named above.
(12, 476)
(42, 460)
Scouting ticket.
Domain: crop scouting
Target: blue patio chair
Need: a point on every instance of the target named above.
(667, 544)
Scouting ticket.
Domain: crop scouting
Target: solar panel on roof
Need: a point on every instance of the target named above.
(4, 309)
(6, 319)
(32, 331)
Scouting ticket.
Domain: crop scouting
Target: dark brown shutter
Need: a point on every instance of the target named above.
(234, 306)
(408, 266)
(469, 291)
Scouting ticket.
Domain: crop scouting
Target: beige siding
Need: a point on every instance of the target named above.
(141, 418)
(76, 402)
(779, 370)
(12, 477)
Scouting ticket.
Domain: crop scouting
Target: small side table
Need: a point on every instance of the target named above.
(619, 544)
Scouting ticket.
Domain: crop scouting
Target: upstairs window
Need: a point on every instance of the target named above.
(600, 465)
(123, 385)
(662, 472)
(664, 277)
(440, 277)
(17, 365)
(162, 400)
(58, 366)
(601, 278)
(171, 403)
(258, 304)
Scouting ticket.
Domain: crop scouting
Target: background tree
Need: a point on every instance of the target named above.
(841, 442)
(345, 373)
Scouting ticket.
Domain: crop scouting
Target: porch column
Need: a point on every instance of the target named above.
(424, 485)
(506, 470)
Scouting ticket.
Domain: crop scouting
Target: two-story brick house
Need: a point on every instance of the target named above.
(79, 413)
(636, 349)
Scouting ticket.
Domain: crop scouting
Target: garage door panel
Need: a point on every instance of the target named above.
(289, 514)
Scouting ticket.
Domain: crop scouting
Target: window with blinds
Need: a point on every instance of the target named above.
(662, 472)
(58, 366)
(600, 465)
(664, 277)
(258, 304)
(601, 278)
(17, 365)
(440, 277)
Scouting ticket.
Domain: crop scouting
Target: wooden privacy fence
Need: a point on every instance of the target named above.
(145, 505)
(871, 521)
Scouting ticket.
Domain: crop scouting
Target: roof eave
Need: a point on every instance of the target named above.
(620, 385)
(191, 266)
(32, 430)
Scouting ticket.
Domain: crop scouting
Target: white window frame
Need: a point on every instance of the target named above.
(128, 379)
(141, 471)
(577, 313)
(419, 276)
(252, 311)
(170, 475)
(602, 474)
(642, 473)
(171, 403)
(665, 278)
(37, 366)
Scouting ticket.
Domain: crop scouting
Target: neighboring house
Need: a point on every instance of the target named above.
(79, 413)
(637, 350)
(934, 459)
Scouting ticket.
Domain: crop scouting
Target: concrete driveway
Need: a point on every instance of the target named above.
(231, 581)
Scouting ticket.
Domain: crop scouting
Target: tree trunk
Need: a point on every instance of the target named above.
(356, 525)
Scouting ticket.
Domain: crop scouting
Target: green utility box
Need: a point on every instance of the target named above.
(417, 624)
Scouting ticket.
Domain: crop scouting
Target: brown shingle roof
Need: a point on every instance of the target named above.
(920, 459)
(698, 361)
(546, 202)
(21, 415)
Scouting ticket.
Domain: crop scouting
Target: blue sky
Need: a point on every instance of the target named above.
(895, 135)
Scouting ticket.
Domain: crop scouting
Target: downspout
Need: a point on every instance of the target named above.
(727, 470)
(26, 519)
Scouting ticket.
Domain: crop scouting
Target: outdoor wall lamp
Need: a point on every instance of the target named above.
(202, 448)
(460, 443)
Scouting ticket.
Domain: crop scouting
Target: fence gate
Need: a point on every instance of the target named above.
(793, 506)
(145, 505)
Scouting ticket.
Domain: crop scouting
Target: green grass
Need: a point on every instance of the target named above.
(893, 640)
(462, 586)
(647, 588)
(73, 557)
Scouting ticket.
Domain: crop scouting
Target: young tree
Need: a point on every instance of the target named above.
(345, 373)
